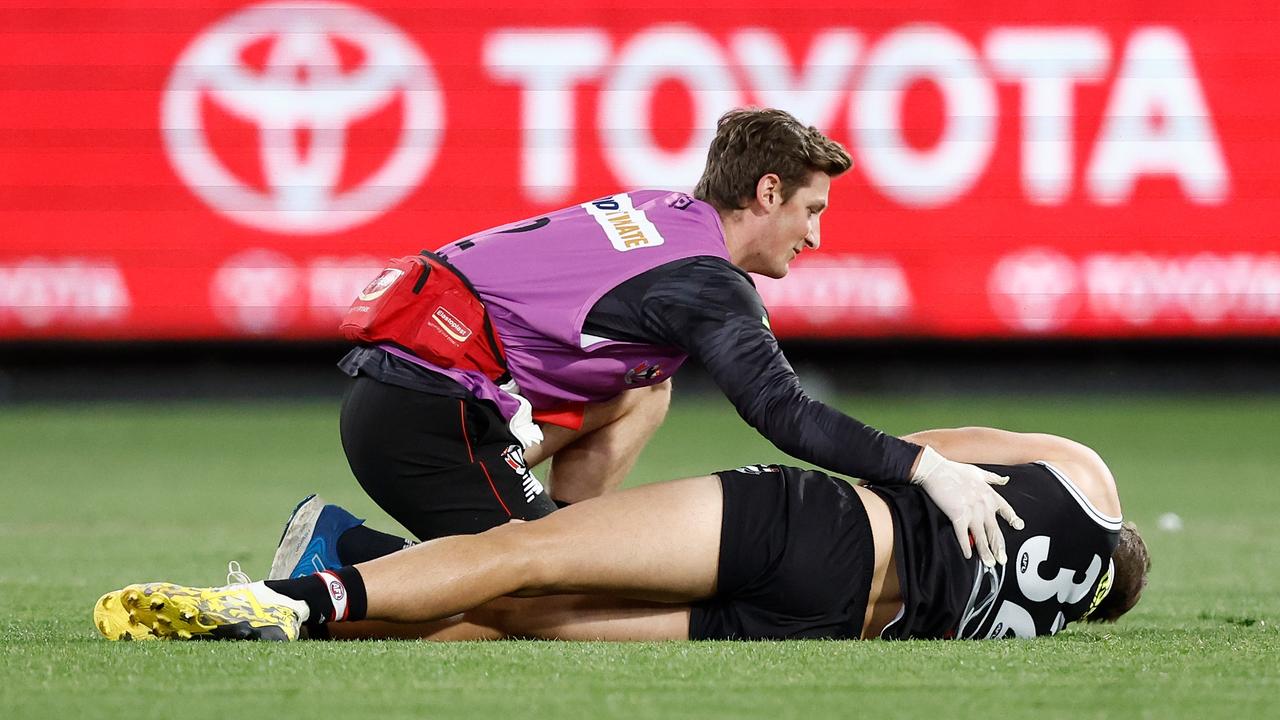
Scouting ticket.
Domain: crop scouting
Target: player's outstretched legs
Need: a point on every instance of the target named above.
(657, 542)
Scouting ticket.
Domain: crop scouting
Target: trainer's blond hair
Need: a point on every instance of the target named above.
(752, 142)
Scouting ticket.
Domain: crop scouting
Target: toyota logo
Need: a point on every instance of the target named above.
(301, 74)
(1035, 290)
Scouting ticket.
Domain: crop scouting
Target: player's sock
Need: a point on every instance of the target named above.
(330, 595)
(362, 544)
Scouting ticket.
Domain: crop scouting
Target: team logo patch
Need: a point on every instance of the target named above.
(514, 457)
(452, 326)
(643, 374)
(759, 469)
(380, 284)
(1104, 587)
(337, 594)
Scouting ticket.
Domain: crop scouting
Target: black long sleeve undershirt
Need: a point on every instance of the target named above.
(711, 310)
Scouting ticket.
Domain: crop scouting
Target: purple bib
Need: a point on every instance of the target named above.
(540, 278)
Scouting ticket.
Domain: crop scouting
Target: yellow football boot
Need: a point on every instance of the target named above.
(175, 612)
(116, 622)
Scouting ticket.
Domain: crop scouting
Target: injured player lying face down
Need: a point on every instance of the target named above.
(761, 552)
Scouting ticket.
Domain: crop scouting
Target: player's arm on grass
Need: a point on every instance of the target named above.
(1081, 463)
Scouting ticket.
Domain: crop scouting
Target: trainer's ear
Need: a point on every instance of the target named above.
(769, 191)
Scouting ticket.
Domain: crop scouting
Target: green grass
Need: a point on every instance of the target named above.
(98, 496)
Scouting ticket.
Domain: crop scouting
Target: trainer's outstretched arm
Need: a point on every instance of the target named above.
(1003, 447)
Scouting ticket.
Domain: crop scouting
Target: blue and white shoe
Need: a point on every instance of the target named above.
(309, 542)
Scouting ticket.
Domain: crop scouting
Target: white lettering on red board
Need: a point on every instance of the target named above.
(1207, 288)
(39, 292)
(1047, 64)
(851, 287)
(1156, 121)
(1039, 290)
(261, 291)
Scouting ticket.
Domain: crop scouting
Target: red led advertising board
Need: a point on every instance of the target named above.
(1021, 169)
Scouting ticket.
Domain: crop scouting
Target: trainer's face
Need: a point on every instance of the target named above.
(793, 225)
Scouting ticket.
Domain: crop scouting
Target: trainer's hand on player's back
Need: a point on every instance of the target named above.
(964, 494)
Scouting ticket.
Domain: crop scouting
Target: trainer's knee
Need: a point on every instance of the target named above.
(649, 403)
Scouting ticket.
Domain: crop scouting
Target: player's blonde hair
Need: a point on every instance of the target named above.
(752, 142)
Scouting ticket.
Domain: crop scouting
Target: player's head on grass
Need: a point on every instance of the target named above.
(1132, 564)
(768, 176)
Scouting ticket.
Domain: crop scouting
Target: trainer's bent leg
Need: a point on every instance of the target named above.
(595, 459)
(656, 542)
(436, 464)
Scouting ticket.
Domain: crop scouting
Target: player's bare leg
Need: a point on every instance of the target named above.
(583, 617)
(552, 617)
(657, 542)
(596, 458)
(455, 629)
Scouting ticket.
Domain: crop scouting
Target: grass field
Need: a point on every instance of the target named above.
(98, 496)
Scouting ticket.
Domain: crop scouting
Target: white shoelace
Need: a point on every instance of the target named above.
(236, 576)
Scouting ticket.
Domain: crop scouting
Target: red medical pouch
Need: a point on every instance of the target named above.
(421, 304)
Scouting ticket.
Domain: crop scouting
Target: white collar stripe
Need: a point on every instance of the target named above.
(1107, 521)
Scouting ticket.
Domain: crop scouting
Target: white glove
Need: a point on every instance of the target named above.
(963, 493)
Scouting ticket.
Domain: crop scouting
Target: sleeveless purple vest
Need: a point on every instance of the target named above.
(540, 278)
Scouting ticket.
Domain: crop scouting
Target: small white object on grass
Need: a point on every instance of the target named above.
(1169, 522)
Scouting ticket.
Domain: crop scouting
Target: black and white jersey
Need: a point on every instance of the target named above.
(1059, 564)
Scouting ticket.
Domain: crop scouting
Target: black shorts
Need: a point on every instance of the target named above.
(796, 558)
(438, 465)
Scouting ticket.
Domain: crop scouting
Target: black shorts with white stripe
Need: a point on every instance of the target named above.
(439, 465)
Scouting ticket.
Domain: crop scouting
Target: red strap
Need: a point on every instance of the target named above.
(568, 415)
